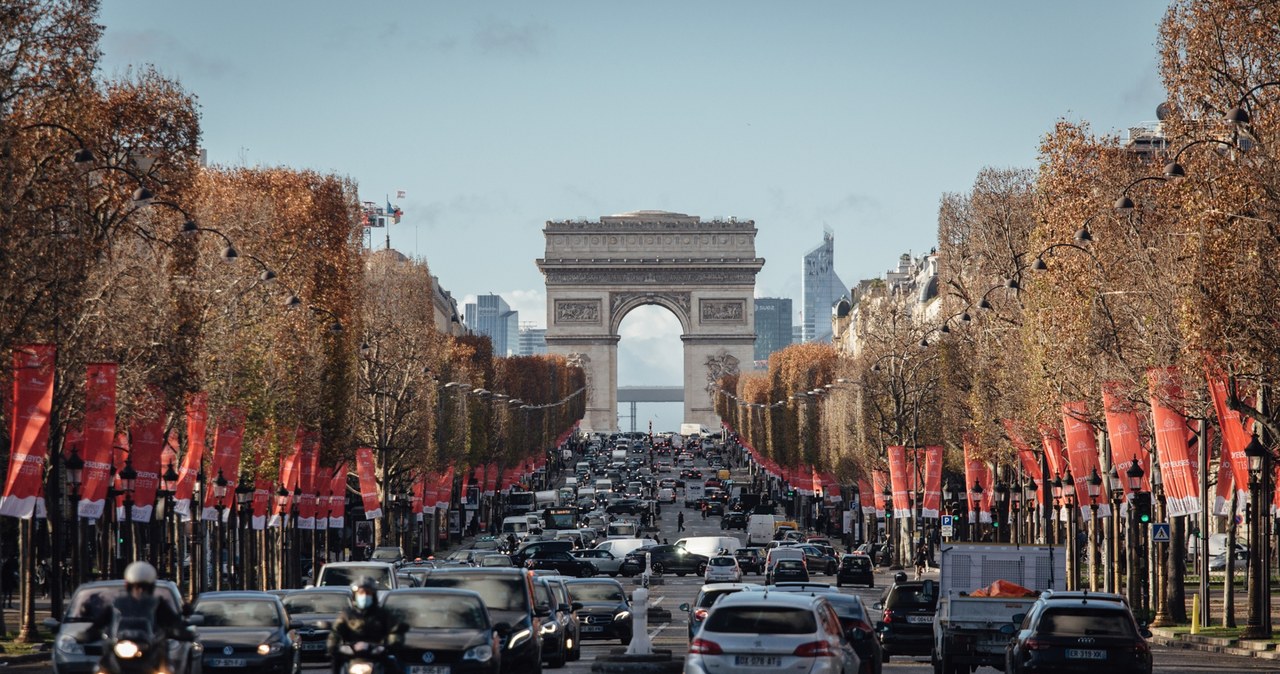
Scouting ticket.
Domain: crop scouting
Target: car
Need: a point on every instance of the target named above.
(714, 508)
(605, 611)
(392, 554)
(315, 608)
(787, 570)
(1079, 634)
(496, 561)
(757, 631)
(528, 549)
(447, 628)
(906, 626)
(346, 574)
(562, 563)
(73, 657)
(818, 561)
(734, 521)
(855, 619)
(249, 631)
(674, 559)
(707, 596)
(508, 594)
(749, 560)
(722, 569)
(556, 628)
(855, 569)
(625, 506)
(566, 613)
(603, 560)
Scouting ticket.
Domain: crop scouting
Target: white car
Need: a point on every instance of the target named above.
(768, 632)
(723, 569)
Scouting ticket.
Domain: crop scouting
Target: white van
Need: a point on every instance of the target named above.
(604, 485)
(623, 529)
(759, 530)
(710, 546)
(545, 499)
(666, 495)
(620, 547)
(571, 482)
(518, 525)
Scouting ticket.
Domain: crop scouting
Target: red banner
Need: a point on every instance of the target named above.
(1170, 430)
(445, 492)
(197, 425)
(1026, 456)
(879, 479)
(226, 462)
(324, 486)
(932, 482)
(865, 497)
(289, 469)
(366, 471)
(1234, 435)
(1051, 442)
(307, 480)
(146, 444)
(1222, 496)
(338, 497)
(261, 503)
(99, 432)
(490, 478)
(1126, 443)
(977, 472)
(902, 486)
(1082, 453)
(415, 500)
(32, 403)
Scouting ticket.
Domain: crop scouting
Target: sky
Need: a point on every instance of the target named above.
(494, 117)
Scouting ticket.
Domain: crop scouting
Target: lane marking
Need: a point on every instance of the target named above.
(657, 601)
(654, 634)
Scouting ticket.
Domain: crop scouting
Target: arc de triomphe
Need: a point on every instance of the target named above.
(703, 272)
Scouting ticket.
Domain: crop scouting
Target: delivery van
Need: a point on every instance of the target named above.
(710, 546)
(759, 530)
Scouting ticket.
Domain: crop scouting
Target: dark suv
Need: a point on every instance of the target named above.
(749, 560)
(528, 549)
(1079, 635)
(906, 628)
(605, 612)
(855, 569)
(509, 596)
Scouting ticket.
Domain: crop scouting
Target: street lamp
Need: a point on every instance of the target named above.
(219, 493)
(282, 511)
(168, 484)
(1135, 474)
(854, 497)
(1002, 504)
(1259, 623)
(1073, 528)
(1095, 489)
(1015, 521)
(75, 470)
(976, 490)
(1117, 498)
(128, 479)
(244, 496)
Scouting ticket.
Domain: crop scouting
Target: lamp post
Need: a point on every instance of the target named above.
(1015, 521)
(1117, 499)
(1002, 507)
(1095, 489)
(1259, 621)
(195, 545)
(219, 493)
(855, 501)
(168, 484)
(75, 470)
(282, 511)
(976, 517)
(1056, 488)
(244, 497)
(888, 526)
(128, 479)
(1029, 508)
(1073, 528)
(948, 496)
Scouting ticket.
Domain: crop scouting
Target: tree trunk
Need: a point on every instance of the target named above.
(1176, 570)
(27, 632)
(1229, 587)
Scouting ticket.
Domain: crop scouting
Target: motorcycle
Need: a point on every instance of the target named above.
(363, 657)
(132, 645)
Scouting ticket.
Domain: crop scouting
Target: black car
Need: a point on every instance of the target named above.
(790, 570)
(714, 508)
(674, 559)
(855, 620)
(245, 631)
(529, 549)
(554, 632)
(605, 612)
(906, 628)
(818, 560)
(625, 506)
(855, 569)
(508, 594)
(734, 521)
(315, 609)
(562, 563)
(707, 596)
(1079, 635)
(449, 630)
(749, 560)
(566, 615)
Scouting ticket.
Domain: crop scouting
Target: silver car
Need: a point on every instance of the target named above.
(603, 560)
(769, 632)
(73, 657)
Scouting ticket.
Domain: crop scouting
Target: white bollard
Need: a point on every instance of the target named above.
(640, 644)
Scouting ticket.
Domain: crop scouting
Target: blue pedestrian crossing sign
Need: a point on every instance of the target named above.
(947, 520)
(1160, 532)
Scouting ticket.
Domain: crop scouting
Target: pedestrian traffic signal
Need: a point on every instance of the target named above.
(1141, 505)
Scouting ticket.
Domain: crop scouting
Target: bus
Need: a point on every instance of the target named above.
(564, 517)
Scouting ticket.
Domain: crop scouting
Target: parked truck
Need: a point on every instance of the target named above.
(981, 599)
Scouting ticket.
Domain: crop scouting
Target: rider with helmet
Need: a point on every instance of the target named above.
(139, 604)
(365, 621)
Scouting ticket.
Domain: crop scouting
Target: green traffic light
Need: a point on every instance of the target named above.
(1145, 519)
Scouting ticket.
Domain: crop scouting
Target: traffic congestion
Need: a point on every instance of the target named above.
(732, 585)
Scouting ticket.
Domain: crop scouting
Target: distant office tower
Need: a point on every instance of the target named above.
(491, 315)
(822, 289)
(533, 340)
(773, 325)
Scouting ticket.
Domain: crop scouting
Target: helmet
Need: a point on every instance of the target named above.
(900, 577)
(140, 574)
(365, 584)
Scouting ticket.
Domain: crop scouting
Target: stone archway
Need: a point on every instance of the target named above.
(703, 272)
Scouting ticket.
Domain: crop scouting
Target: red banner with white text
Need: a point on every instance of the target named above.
(1235, 437)
(977, 472)
(307, 480)
(197, 425)
(1177, 471)
(879, 479)
(338, 497)
(226, 462)
(31, 403)
(261, 503)
(1126, 443)
(902, 482)
(1027, 458)
(932, 502)
(146, 444)
(365, 470)
(99, 432)
(1082, 454)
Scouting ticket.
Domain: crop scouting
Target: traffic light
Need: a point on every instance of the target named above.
(1142, 507)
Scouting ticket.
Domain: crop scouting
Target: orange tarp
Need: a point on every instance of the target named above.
(1003, 588)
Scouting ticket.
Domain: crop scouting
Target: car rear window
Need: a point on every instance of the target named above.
(762, 620)
(857, 563)
(909, 597)
(1085, 623)
(317, 602)
(346, 576)
(498, 593)
(596, 592)
(722, 561)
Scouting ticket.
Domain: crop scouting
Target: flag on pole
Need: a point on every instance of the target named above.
(399, 194)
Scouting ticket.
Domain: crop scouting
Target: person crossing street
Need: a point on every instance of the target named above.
(680, 522)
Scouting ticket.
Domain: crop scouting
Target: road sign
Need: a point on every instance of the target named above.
(948, 530)
(948, 521)
(1160, 532)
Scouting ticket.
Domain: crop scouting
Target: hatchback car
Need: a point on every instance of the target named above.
(449, 629)
(1079, 635)
(246, 631)
(734, 521)
(787, 570)
(316, 609)
(855, 569)
(723, 569)
(708, 596)
(562, 563)
(906, 627)
(603, 560)
(508, 594)
(749, 560)
(605, 611)
(758, 632)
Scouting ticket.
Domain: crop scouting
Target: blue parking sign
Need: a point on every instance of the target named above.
(947, 520)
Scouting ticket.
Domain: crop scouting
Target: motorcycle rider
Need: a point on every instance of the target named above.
(365, 621)
(140, 601)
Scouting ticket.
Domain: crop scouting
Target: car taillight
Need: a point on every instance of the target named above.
(700, 614)
(1141, 647)
(862, 625)
(888, 616)
(1035, 645)
(814, 649)
(704, 647)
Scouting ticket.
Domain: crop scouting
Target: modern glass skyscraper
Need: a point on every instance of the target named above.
(773, 325)
(533, 340)
(491, 315)
(821, 288)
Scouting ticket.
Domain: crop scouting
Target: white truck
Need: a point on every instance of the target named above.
(760, 530)
(972, 631)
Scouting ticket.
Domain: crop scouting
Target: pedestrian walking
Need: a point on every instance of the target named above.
(680, 522)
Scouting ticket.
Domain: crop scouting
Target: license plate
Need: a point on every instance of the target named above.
(313, 645)
(1086, 654)
(592, 628)
(225, 662)
(428, 669)
(757, 660)
(919, 619)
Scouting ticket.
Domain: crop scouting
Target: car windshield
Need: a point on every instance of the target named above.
(88, 602)
(761, 620)
(1085, 623)
(911, 596)
(722, 561)
(425, 611)
(609, 592)
(346, 576)
(499, 594)
(316, 602)
(237, 613)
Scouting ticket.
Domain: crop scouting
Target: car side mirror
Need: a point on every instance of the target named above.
(684, 606)
(1018, 618)
(1146, 633)
(576, 606)
(50, 623)
(195, 619)
(1008, 629)
(879, 606)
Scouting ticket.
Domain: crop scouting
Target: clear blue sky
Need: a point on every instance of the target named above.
(497, 116)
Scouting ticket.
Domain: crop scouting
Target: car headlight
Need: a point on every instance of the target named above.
(127, 650)
(481, 653)
(550, 627)
(622, 615)
(68, 644)
(360, 668)
(516, 639)
(269, 649)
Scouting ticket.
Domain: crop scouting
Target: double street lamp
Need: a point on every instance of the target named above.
(128, 479)
(75, 470)
(1095, 489)
(976, 491)
(219, 493)
(1259, 622)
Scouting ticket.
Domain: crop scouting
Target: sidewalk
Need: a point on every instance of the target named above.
(1179, 638)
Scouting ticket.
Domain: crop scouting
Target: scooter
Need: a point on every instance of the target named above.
(363, 657)
(132, 646)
